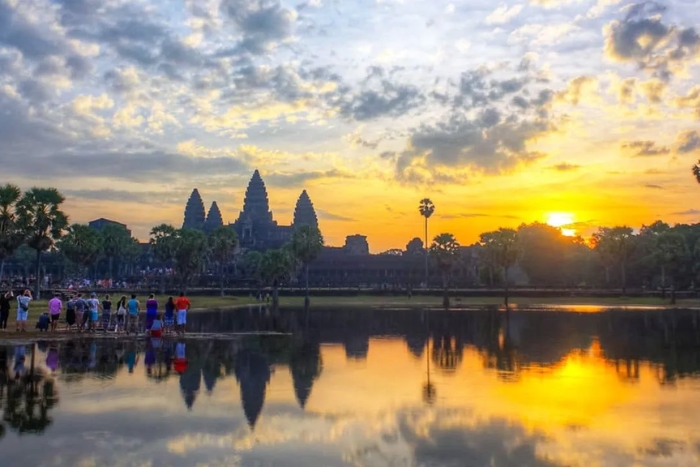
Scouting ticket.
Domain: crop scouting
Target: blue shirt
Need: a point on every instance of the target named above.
(157, 325)
(133, 306)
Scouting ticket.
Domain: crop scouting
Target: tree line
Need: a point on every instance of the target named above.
(657, 256)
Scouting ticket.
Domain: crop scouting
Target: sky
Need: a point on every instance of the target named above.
(500, 113)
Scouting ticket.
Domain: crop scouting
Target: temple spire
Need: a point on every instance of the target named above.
(194, 212)
(304, 212)
(214, 219)
(256, 206)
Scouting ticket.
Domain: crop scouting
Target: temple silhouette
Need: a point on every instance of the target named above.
(256, 227)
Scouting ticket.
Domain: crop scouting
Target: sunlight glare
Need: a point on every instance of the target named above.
(561, 219)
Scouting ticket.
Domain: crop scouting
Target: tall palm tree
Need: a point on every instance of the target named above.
(39, 213)
(444, 249)
(11, 235)
(82, 245)
(503, 250)
(222, 245)
(426, 209)
(696, 171)
(189, 254)
(275, 267)
(305, 245)
(163, 241)
(615, 245)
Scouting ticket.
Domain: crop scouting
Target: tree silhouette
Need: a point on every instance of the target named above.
(426, 209)
(444, 249)
(39, 214)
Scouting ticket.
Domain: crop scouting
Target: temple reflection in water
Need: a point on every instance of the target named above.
(550, 360)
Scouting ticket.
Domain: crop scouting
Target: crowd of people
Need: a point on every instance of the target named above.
(87, 313)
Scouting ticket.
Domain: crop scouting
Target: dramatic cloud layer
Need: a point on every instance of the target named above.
(119, 102)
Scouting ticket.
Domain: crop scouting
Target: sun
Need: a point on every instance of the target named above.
(560, 220)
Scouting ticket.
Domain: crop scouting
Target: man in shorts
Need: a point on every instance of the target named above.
(23, 310)
(55, 307)
(182, 305)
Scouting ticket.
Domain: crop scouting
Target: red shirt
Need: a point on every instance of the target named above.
(182, 303)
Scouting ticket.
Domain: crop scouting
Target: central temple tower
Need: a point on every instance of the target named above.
(255, 225)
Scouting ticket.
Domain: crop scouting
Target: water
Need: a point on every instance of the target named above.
(365, 387)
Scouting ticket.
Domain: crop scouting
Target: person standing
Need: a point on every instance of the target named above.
(134, 308)
(169, 319)
(151, 311)
(23, 310)
(55, 307)
(106, 313)
(94, 308)
(5, 308)
(121, 315)
(182, 304)
(70, 312)
(80, 308)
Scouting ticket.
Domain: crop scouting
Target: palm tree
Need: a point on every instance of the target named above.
(696, 171)
(615, 245)
(40, 215)
(222, 245)
(251, 265)
(503, 250)
(115, 241)
(444, 249)
(672, 252)
(11, 235)
(163, 241)
(275, 267)
(305, 245)
(189, 255)
(82, 245)
(426, 209)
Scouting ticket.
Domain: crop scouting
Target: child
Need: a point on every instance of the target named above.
(157, 327)
(44, 322)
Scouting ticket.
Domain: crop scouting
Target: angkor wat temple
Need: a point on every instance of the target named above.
(255, 226)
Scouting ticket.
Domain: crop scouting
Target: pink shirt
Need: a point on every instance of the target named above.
(55, 306)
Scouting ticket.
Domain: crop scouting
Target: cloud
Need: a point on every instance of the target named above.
(298, 179)
(263, 24)
(689, 212)
(688, 141)
(581, 89)
(566, 167)
(654, 187)
(333, 217)
(378, 97)
(642, 37)
(645, 148)
(690, 101)
(503, 14)
(107, 194)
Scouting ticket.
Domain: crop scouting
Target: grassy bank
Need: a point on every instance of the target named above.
(217, 302)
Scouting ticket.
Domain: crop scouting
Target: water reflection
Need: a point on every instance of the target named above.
(365, 387)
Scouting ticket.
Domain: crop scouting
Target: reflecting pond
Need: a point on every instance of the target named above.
(364, 387)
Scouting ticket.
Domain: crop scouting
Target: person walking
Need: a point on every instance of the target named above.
(182, 304)
(134, 308)
(55, 307)
(5, 300)
(23, 310)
